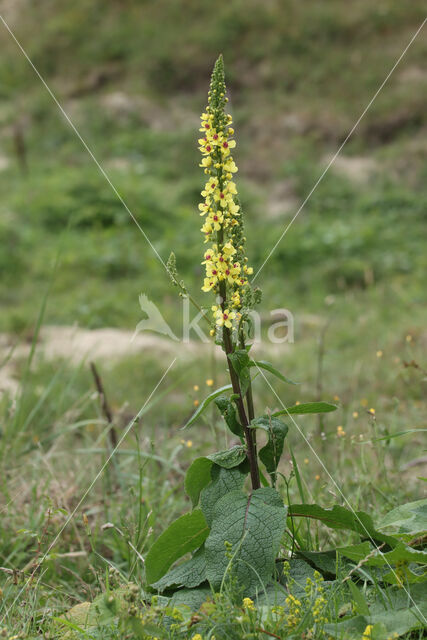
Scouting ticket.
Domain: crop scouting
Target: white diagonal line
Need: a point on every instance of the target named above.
(68, 119)
(340, 491)
(71, 516)
(331, 162)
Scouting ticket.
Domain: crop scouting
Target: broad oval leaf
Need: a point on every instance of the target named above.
(206, 402)
(184, 535)
(307, 407)
(254, 526)
(262, 364)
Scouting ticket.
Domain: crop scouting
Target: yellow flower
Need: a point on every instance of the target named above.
(340, 431)
(209, 382)
(224, 318)
(355, 414)
(248, 604)
(379, 353)
(197, 636)
(196, 387)
(367, 633)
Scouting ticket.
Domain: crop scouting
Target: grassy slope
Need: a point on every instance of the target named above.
(299, 74)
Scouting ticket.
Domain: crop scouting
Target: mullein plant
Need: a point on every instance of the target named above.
(232, 533)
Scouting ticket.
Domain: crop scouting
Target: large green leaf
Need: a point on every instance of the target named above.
(228, 412)
(253, 525)
(189, 574)
(341, 518)
(206, 402)
(183, 536)
(402, 555)
(262, 364)
(223, 481)
(306, 407)
(199, 472)
(270, 454)
(408, 519)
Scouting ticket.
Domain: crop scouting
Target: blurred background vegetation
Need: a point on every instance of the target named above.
(133, 78)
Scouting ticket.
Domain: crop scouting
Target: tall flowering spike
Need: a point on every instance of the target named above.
(224, 260)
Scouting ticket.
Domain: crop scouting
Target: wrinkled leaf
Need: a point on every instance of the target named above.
(253, 525)
(240, 362)
(223, 481)
(188, 574)
(408, 519)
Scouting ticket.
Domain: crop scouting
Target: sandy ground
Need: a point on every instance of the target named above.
(76, 345)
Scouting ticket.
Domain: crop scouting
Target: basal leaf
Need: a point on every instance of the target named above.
(189, 574)
(206, 402)
(253, 525)
(341, 518)
(228, 412)
(270, 454)
(199, 472)
(306, 407)
(183, 536)
(223, 481)
(408, 519)
(262, 364)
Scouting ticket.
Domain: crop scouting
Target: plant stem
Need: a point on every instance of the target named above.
(251, 449)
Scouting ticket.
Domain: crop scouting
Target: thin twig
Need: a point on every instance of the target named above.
(105, 407)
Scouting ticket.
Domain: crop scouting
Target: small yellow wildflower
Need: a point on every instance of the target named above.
(379, 353)
(197, 636)
(248, 604)
(317, 477)
(209, 382)
(297, 402)
(409, 338)
(355, 414)
(196, 387)
(306, 460)
(340, 431)
(196, 403)
(372, 411)
(367, 634)
(364, 402)
(189, 443)
(336, 398)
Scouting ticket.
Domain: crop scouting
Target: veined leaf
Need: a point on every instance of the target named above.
(206, 402)
(188, 574)
(222, 481)
(184, 535)
(306, 407)
(262, 364)
(253, 525)
(198, 474)
(270, 454)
